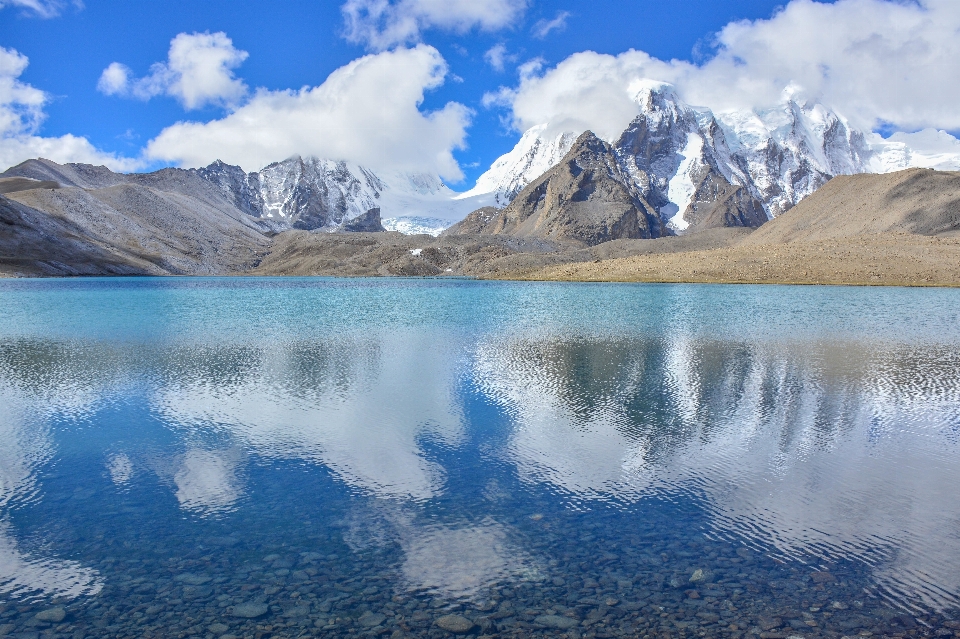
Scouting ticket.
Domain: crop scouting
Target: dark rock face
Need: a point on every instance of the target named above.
(369, 222)
(243, 189)
(585, 199)
(475, 223)
(718, 204)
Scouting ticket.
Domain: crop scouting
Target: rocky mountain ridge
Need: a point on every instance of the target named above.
(699, 168)
(586, 198)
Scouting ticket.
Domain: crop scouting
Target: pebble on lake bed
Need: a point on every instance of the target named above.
(556, 621)
(53, 615)
(371, 619)
(455, 624)
(250, 610)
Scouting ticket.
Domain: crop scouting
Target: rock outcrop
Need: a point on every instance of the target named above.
(586, 198)
(369, 222)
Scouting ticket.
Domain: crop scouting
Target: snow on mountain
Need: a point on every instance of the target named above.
(317, 194)
(412, 225)
(928, 149)
(791, 150)
(533, 156)
(677, 155)
(682, 159)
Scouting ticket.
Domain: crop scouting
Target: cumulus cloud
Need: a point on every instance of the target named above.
(198, 72)
(543, 27)
(41, 8)
(21, 114)
(366, 112)
(498, 57)
(381, 24)
(872, 60)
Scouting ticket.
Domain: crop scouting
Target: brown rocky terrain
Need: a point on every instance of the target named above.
(897, 229)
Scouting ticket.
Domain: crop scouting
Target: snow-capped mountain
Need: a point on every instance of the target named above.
(684, 158)
(317, 194)
(684, 161)
(533, 156)
(790, 151)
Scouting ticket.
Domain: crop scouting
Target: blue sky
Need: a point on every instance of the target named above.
(294, 44)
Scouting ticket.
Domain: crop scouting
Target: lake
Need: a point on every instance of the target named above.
(241, 457)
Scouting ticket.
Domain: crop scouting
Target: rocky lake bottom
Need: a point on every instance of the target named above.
(225, 458)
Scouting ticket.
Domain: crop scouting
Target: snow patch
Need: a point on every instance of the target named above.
(417, 225)
(681, 188)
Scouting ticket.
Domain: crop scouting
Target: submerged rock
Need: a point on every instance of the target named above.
(455, 624)
(371, 619)
(250, 610)
(52, 615)
(556, 621)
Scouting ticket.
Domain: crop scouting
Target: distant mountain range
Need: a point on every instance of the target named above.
(674, 170)
(680, 160)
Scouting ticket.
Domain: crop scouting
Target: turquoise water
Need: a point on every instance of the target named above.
(408, 458)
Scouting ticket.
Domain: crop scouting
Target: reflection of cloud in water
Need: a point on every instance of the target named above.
(452, 560)
(23, 575)
(460, 561)
(362, 413)
(120, 468)
(835, 451)
(207, 481)
(26, 446)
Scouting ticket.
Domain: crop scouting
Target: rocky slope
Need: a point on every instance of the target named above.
(912, 202)
(167, 223)
(585, 198)
(894, 229)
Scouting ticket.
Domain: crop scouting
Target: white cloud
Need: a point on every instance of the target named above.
(198, 72)
(543, 27)
(21, 114)
(115, 79)
(498, 57)
(872, 60)
(366, 112)
(41, 8)
(381, 24)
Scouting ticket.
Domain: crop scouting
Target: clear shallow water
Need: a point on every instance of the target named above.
(321, 457)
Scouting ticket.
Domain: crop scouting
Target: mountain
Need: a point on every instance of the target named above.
(896, 229)
(699, 169)
(913, 202)
(297, 193)
(585, 198)
(533, 156)
(168, 223)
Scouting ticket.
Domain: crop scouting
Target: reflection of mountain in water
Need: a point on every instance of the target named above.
(822, 450)
(790, 445)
